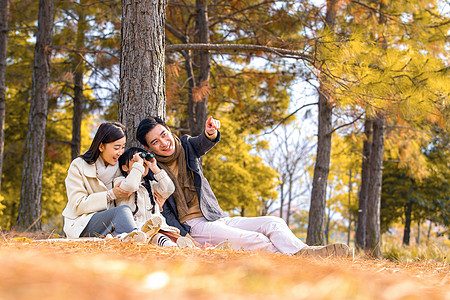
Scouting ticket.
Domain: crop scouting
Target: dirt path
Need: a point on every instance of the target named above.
(116, 270)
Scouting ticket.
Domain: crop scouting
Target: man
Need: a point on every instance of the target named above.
(193, 206)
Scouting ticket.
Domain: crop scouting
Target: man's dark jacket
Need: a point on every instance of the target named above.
(195, 148)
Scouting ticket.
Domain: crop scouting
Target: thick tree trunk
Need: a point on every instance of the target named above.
(374, 195)
(30, 197)
(322, 165)
(198, 102)
(4, 16)
(321, 170)
(142, 78)
(78, 99)
(407, 229)
(365, 179)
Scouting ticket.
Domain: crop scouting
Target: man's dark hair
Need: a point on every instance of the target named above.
(145, 126)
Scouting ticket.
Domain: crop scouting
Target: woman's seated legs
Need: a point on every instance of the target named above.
(115, 221)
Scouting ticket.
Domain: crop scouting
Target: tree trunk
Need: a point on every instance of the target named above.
(78, 99)
(288, 214)
(419, 225)
(374, 194)
(142, 78)
(30, 197)
(322, 165)
(198, 102)
(429, 232)
(407, 229)
(349, 232)
(281, 198)
(365, 179)
(4, 16)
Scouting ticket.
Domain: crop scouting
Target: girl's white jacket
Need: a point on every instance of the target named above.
(133, 183)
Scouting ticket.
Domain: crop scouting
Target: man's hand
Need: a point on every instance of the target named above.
(159, 200)
(211, 127)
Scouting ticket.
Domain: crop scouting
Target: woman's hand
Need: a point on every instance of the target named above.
(211, 127)
(120, 193)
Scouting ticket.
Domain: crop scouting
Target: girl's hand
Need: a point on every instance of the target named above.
(137, 158)
(153, 166)
(211, 127)
(159, 200)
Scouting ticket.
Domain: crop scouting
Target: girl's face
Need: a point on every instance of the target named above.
(160, 141)
(129, 165)
(110, 152)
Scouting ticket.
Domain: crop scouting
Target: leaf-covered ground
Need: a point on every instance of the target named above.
(119, 270)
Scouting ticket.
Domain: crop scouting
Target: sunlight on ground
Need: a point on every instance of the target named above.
(117, 270)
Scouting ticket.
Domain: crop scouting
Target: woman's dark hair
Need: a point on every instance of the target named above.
(107, 132)
(123, 160)
(145, 126)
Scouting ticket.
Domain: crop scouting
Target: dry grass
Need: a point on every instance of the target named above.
(117, 270)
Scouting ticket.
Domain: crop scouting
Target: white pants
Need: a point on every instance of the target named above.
(266, 233)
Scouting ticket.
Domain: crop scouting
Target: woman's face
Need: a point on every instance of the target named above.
(160, 141)
(110, 152)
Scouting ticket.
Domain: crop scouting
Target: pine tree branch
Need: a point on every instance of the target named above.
(347, 124)
(243, 48)
(290, 115)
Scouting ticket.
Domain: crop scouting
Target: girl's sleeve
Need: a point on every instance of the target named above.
(132, 181)
(164, 185)
(79, 200)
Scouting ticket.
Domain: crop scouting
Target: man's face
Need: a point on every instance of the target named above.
(160, 141)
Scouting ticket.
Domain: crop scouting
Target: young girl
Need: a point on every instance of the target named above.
(146, 211)
(90, 192)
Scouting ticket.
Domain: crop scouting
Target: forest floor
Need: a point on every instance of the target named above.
(31, 269)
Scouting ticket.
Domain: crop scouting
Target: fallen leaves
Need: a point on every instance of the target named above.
(118, 270)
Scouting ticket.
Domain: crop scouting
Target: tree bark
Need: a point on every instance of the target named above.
(78, 99)
(419, 225)
(365, 179)
(281, 198)
(407, 229)
(374, 195)
(288, 214)
(142, 77)
(198, 105)
(315, 233)
(4, 21)
(349, 232)
(31, 192)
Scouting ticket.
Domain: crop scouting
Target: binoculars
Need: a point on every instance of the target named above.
(147, 155)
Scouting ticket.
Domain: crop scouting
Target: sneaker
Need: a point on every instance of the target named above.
(337, 250)
(185, 243)
(134, 236)
(152, 226)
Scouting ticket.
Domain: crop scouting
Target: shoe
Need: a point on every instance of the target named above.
(225, 245)
(134, 236)
(152, 226)
(185, 243)
(336, 250)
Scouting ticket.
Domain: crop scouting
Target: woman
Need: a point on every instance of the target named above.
(91, 210)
